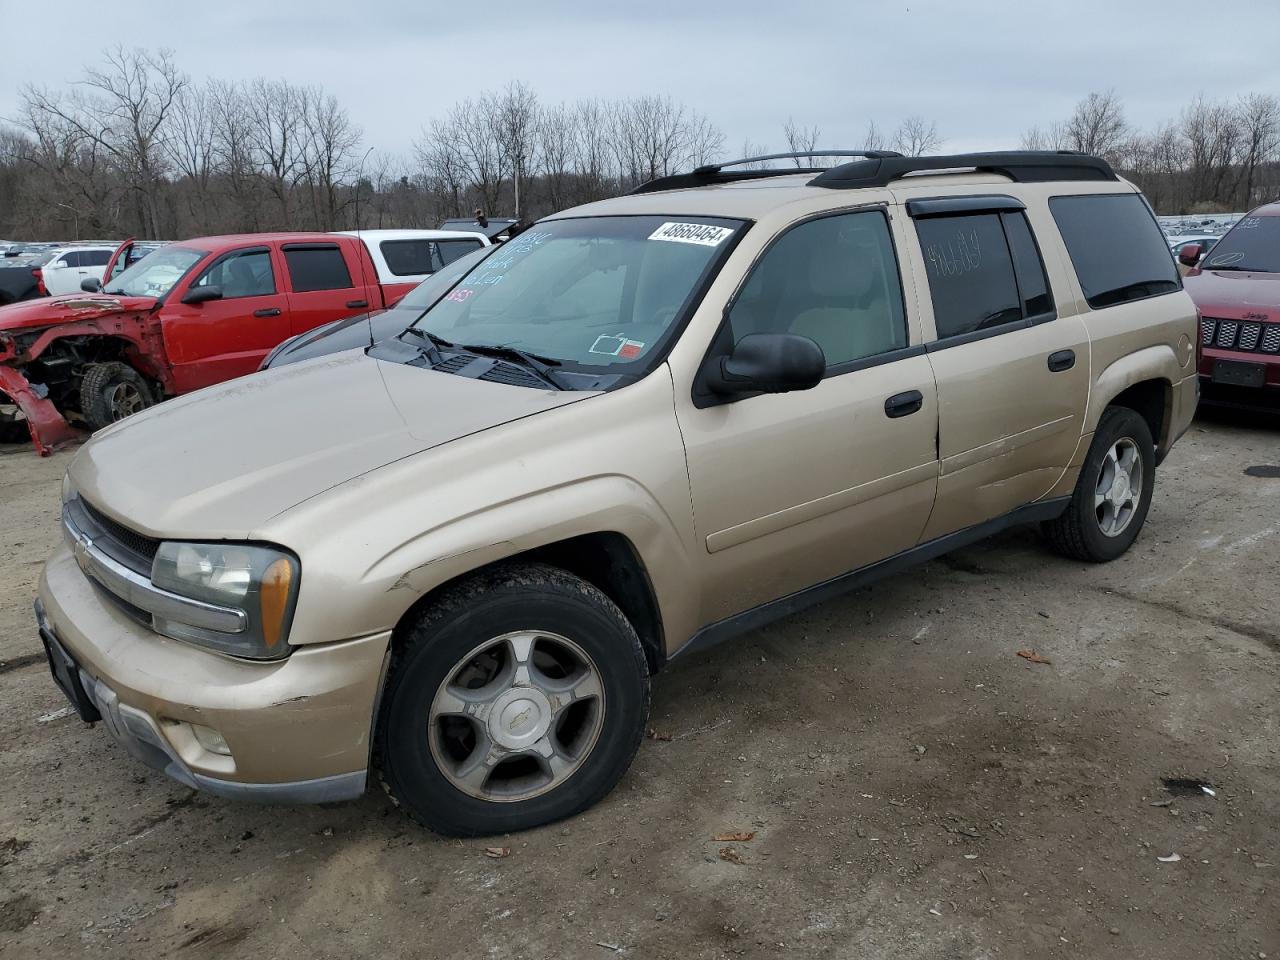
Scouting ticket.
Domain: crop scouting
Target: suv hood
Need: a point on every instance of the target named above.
(1228, 293)
(220, 462)
(50, 311)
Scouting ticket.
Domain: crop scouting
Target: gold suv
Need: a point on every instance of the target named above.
(455, 556)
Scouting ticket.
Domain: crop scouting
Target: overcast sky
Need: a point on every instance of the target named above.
(985, 71)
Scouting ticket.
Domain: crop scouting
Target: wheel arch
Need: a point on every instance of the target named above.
(1143, 382)
(606, 559)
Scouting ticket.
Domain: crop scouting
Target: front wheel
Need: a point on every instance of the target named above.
(111, 392)
(516, 699)
(1112, 495)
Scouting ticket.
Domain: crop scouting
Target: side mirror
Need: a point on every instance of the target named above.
(202, 294)
(768, 363)
(1189, 255)
(90, 284)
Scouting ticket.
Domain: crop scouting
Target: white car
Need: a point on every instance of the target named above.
(71, 265)
(405, 258)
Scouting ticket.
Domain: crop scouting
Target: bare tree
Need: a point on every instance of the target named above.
(1052, 137)
(514, 116)
(1259, 120)
(1097, 126)
(329, 155)
(121, 109)
(874, 139)
(1213, 136)
(276, 111)
(916, 136)
(801, 140)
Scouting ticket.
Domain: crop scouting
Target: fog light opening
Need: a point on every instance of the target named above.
(211, 740)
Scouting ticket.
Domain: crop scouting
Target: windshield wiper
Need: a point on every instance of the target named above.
(538, 364)
(1235, 266)
(429, 337)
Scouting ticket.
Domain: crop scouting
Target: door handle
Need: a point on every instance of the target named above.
(267, 312)
(1062, 360)
(902, 404)
(357, 303)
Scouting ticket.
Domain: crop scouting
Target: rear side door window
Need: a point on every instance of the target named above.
(94, 258)
(834, 280)
(316, 267)
(1116, 247)
(984, 272)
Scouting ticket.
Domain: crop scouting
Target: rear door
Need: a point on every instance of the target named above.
(227, 336)
(1012, 375)
(328, 281)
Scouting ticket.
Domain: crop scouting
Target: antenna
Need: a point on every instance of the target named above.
(364, 251)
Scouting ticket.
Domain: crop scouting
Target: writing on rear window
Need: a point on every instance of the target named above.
(700, 233)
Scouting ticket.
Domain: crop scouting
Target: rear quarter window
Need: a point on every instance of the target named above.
(1116, 247)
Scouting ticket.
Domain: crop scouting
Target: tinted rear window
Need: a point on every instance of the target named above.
(317, 268)
(95, 258)
(407, 258)
(971, 278)
(1116, 247)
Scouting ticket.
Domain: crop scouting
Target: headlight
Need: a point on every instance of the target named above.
(261, 581)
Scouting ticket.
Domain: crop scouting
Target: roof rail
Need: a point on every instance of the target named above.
(713, 173)
(1022, 166)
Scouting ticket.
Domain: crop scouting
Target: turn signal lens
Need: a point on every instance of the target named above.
(277, 581)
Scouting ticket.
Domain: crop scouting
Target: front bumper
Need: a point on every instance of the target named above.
(298, 730)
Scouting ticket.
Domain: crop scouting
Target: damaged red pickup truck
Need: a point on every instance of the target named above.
(189, 315)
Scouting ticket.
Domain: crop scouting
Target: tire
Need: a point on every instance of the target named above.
(109, 392)
(426, 751)
(1100, 533)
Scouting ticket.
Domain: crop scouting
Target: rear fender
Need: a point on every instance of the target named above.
(1150, 363)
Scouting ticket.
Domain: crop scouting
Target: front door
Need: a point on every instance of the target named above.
(793, 489)
(227, 336)
(1012, 375)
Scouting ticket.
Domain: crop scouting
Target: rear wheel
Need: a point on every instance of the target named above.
(1112, 495)
(518, 698)
(110, 392)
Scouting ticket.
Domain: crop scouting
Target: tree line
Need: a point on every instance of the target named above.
(1215, 156)
(138, 147)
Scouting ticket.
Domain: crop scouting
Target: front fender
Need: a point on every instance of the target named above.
(602, 504)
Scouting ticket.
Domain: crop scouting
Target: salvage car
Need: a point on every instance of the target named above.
(1237, 288)
(455, 558)
(186, 316)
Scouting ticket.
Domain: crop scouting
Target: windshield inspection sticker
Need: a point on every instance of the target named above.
(618, 346)
(700, 233)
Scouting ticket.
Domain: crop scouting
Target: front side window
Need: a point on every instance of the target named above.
(591, 292)
(1253, 244)
(72, 258)
(833, 280)
(316, 268)
(245, 273)
(1116, 248)
(156, 275)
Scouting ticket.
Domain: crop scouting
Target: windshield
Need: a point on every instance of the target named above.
(1254, 244)
(589, 293)
(156, 275)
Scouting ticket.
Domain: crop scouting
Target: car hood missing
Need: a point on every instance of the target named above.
(219, 463)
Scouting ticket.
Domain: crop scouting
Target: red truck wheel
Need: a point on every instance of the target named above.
(111, 392)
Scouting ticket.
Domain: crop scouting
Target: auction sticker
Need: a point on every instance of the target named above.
(702, 234)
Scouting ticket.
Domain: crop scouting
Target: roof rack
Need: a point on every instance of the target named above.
(1021, 166)
(714, 173)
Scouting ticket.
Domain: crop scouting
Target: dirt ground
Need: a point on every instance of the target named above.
(916, 789)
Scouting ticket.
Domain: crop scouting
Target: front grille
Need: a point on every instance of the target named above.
(1244, 335)
(135, 551)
